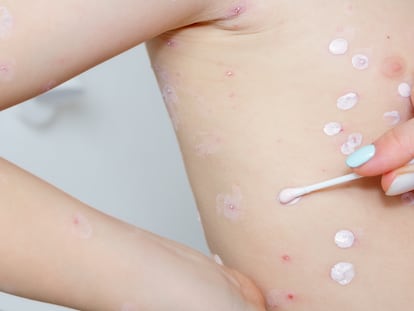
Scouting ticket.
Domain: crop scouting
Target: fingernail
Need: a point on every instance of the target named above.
(401, 184)
(361, 156)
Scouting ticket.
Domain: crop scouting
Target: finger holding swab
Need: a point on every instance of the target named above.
(289, 194)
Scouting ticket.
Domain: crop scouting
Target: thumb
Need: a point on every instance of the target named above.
(399, 181)
(391, 151)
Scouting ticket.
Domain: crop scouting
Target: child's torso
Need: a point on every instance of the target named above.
(277, 97)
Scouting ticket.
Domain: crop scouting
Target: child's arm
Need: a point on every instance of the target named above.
(54, 248)
(58, 250)
(43, 42)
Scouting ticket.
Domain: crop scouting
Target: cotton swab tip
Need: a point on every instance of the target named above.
(289, 194)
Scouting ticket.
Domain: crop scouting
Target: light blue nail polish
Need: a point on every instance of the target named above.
(361, 156)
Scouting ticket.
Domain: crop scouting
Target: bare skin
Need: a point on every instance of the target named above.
(249, 86)
(254, 96)
(58, 249)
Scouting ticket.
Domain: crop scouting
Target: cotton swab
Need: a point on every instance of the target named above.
(289, 194)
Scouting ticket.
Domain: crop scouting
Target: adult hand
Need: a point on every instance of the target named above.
(389, 156)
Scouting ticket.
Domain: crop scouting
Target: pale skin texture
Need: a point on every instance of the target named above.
(257, 76)
(59, 250)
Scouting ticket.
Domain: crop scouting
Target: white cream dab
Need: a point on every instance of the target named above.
(347, 101)
(343, 273)
(332, 128)
(344, 239)
(404, 89)
(338, 46)
(392, 117)
(360, 61)
(354, 140)
(6, 22)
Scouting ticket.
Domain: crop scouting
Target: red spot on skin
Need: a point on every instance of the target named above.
(7, 70)
(62, 60)
(393, 67)
(171, 43)
(81, 227)
(4, 68)
(237, 10)
(279, 299)
(286, 258)
(230, 204)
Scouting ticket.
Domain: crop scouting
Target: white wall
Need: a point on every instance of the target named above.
(113, 147)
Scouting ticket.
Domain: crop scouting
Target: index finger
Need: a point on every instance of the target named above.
(392, 150)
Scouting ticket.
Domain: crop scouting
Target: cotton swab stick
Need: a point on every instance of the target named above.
(289, 194)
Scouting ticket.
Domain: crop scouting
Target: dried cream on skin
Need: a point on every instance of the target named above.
(353, 141)
(229, 205)
(392, 117)
(360, 61)
(347, 101)
(6, 22)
